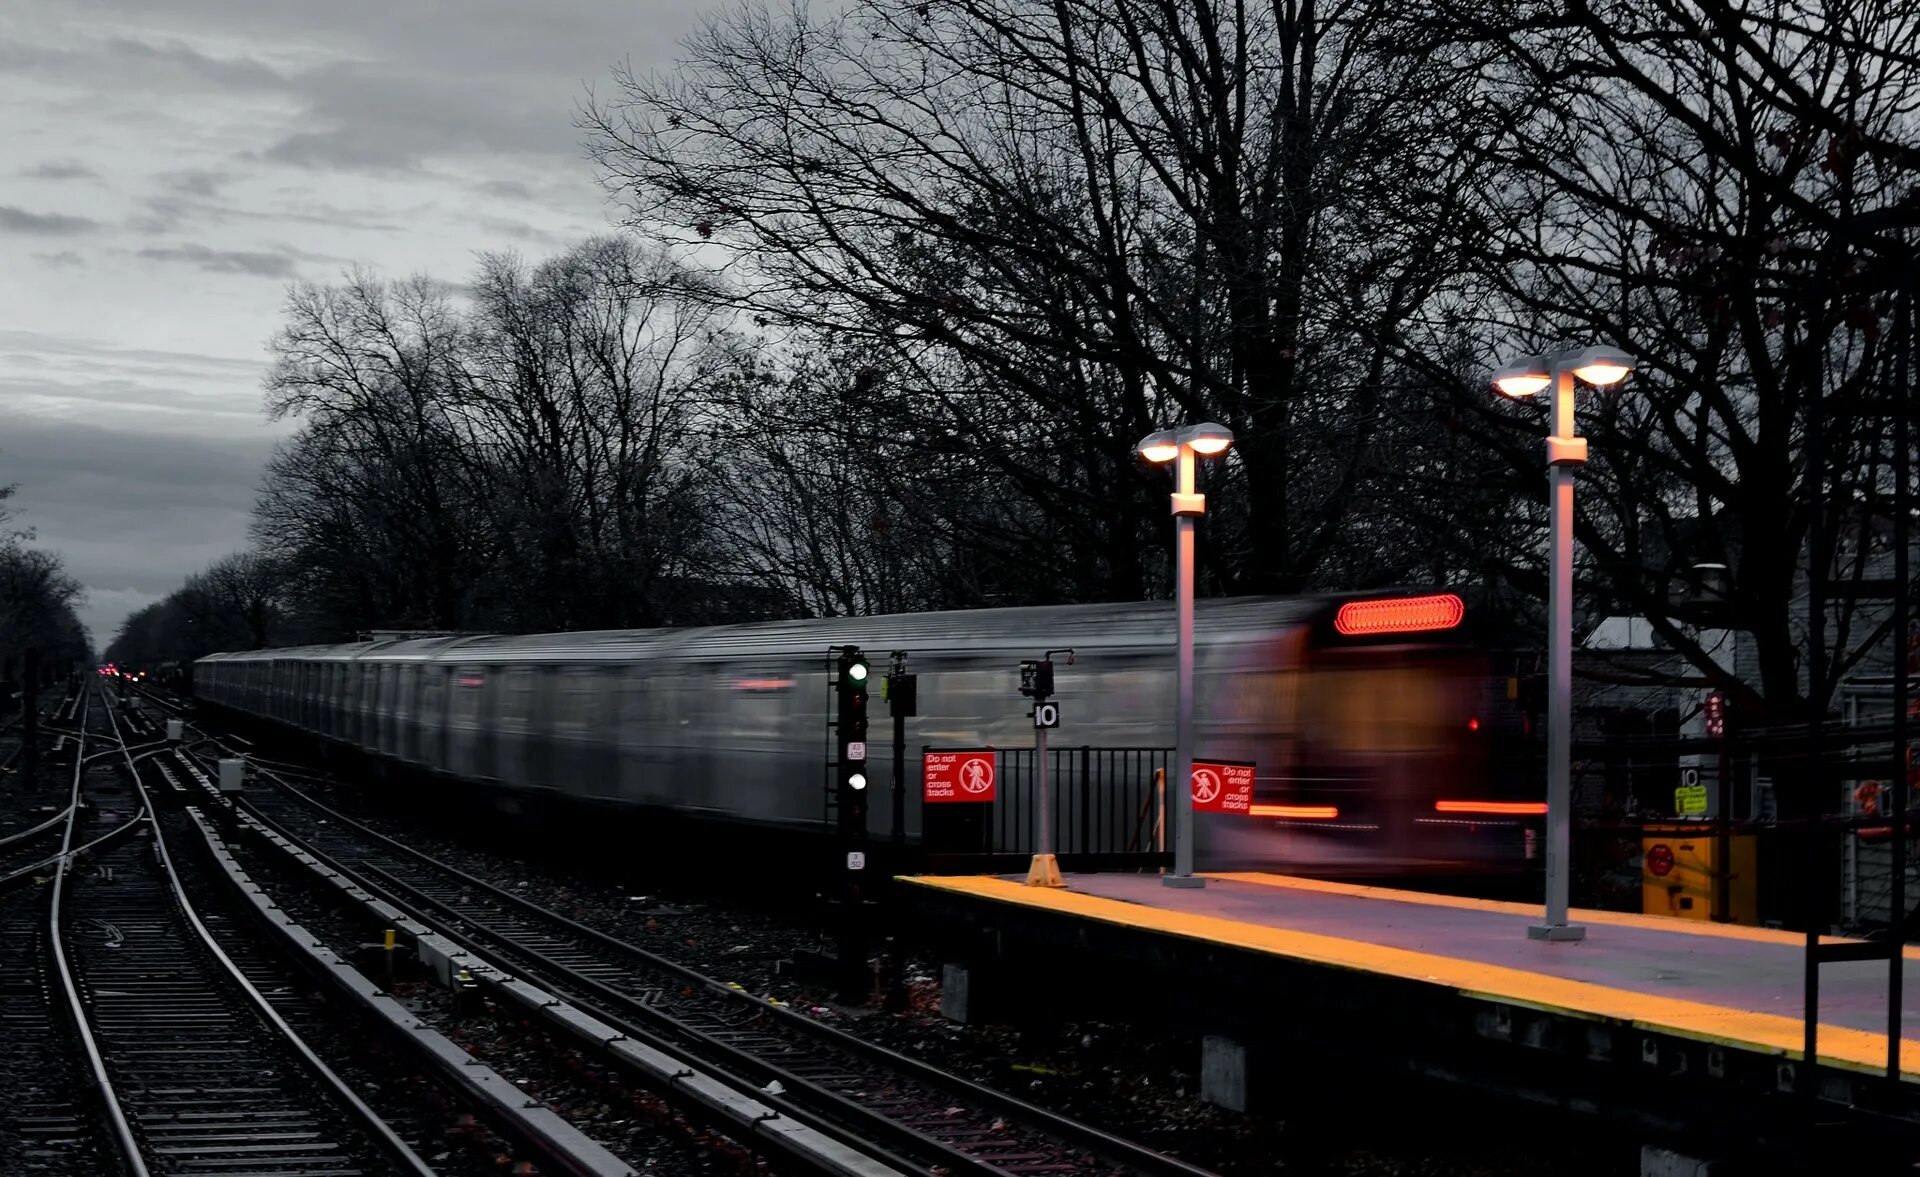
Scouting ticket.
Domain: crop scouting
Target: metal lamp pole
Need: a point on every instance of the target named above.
(1566, 452)
(1183, 448)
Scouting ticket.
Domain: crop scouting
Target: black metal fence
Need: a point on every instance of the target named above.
(1105, 806)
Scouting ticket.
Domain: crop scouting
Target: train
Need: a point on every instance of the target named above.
(1374, 721)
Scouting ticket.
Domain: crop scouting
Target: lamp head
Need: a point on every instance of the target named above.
(1208, 439)
(1159, 447)
(1601, 365)
(1523, 377)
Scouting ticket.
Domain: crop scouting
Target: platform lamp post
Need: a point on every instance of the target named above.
(1526, 377)
(1183, 447)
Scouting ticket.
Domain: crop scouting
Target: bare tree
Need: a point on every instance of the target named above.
(1686, 180)
(376, 495)
(1055, 226)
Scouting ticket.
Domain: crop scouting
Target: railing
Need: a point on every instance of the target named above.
(1106, 807)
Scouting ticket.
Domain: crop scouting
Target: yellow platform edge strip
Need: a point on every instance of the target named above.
(1579, 915)
(1841, 1046)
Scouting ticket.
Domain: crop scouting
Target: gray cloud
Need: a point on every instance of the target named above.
(243, 73)
(510, 189)
(60, 169)
(42, 347)
(197, 181)
(131, 514)
(164, 214)
(519, 230)
(66, 259)
(14, 219)
(224, 261)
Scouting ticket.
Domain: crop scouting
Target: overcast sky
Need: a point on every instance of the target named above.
(167, 167)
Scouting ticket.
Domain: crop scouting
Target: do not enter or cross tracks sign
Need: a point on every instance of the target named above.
(1222, 786)
(957, 776)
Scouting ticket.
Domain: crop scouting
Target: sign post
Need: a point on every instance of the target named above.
(902, 701)
(1036, 682)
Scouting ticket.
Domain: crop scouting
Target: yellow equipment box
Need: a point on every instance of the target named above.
(1677, 873)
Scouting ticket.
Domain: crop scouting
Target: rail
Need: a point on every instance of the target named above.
(807, 1101)
(121, 1131)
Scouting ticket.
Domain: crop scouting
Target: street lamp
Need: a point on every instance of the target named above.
(1180, 446)
(1530, 376)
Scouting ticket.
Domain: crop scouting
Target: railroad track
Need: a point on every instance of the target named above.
(32, 822)
(817, 1074)
(196, 1072)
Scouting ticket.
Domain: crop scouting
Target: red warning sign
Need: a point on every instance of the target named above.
(956, 776)
(1221, 786)
(1660, 859)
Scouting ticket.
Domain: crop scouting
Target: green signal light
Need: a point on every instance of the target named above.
(857, 672)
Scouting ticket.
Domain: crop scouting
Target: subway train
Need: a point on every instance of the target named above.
(1377, 725)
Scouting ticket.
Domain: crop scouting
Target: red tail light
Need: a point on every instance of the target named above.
(1295, 812)
(1399, 615)
(1493, 808)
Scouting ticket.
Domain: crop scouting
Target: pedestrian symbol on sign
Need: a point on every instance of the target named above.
(1206, 785)
(976, 776)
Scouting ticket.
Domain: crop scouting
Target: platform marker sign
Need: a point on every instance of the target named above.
(957, 776)
(1691, 797)
(1222, 786)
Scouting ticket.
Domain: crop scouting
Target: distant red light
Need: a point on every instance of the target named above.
(1473, 725)
(1400, 615)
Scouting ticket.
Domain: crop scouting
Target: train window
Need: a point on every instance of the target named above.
(759, 701)
(433, 686)
(464, 708)
(576, 702)
(1384, 708)
(516, 698)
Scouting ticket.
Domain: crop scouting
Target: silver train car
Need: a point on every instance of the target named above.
(1367, 715)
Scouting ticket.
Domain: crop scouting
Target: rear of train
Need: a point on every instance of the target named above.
(1397, 744)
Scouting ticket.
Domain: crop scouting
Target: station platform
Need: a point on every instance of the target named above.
(1722, 983)
(1648, 1011)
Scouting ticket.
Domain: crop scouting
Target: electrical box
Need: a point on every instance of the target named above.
(1677, 873)
(233, 775)
(175, 730)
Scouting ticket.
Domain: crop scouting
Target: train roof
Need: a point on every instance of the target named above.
(1109, 627)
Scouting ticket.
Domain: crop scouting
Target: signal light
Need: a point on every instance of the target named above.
(1716, 711)
(850, 689)
(1473, 725)
(1399, 615)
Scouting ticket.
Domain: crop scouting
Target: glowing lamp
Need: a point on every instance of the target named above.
(1209, 439)
(1159, 448)
(1601, 366)
(1523, 377)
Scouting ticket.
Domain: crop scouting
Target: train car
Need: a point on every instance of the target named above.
(1371, 718)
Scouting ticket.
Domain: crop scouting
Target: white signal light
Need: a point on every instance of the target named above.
(857, 672)
(857, 781)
